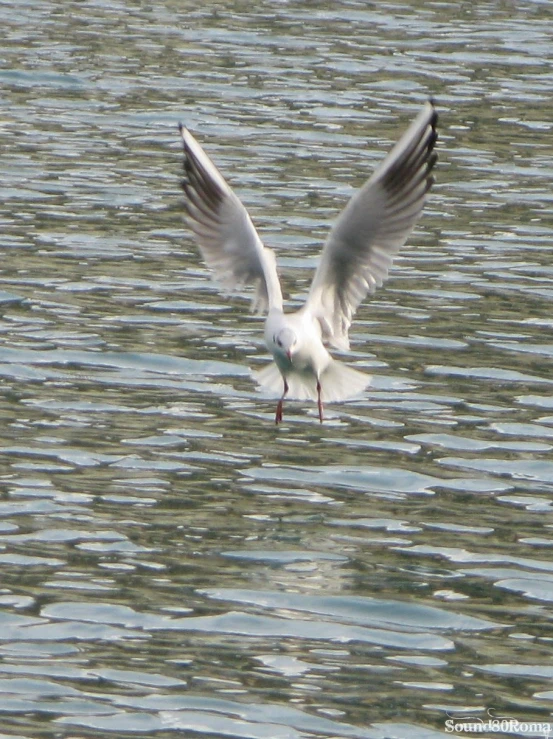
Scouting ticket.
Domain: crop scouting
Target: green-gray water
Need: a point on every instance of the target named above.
(170, 562)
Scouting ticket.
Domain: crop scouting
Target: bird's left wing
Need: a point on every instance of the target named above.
(371, 229)
(224, 231)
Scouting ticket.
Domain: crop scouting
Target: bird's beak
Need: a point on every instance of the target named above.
(289, 355)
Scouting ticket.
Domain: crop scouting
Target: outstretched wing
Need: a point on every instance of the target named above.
(224, 231)
(371, 229)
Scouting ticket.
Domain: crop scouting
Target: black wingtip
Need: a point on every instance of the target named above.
(434, 137)
(434, 118)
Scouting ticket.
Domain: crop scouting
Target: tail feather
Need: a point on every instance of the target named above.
(270, 379)
(338, 382)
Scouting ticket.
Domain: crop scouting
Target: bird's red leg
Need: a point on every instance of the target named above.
(319, 401)
(278, 416)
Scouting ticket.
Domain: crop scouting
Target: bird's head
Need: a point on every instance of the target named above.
(285, 342)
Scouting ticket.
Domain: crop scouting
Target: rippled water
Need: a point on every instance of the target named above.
(171, 562)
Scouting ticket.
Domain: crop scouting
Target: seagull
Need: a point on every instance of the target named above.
(354, 261)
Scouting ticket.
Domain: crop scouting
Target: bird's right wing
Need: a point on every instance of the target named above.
(224, 231)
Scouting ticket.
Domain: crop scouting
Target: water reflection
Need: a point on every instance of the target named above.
(170, 561)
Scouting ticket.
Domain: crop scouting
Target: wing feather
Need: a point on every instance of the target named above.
(224, 232)
(372, 228)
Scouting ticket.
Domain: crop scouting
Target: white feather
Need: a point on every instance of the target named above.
(355, 261)
(338, 382)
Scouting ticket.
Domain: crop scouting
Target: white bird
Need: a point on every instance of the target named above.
(355, 260)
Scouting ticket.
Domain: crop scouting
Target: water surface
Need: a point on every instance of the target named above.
(171, 562)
